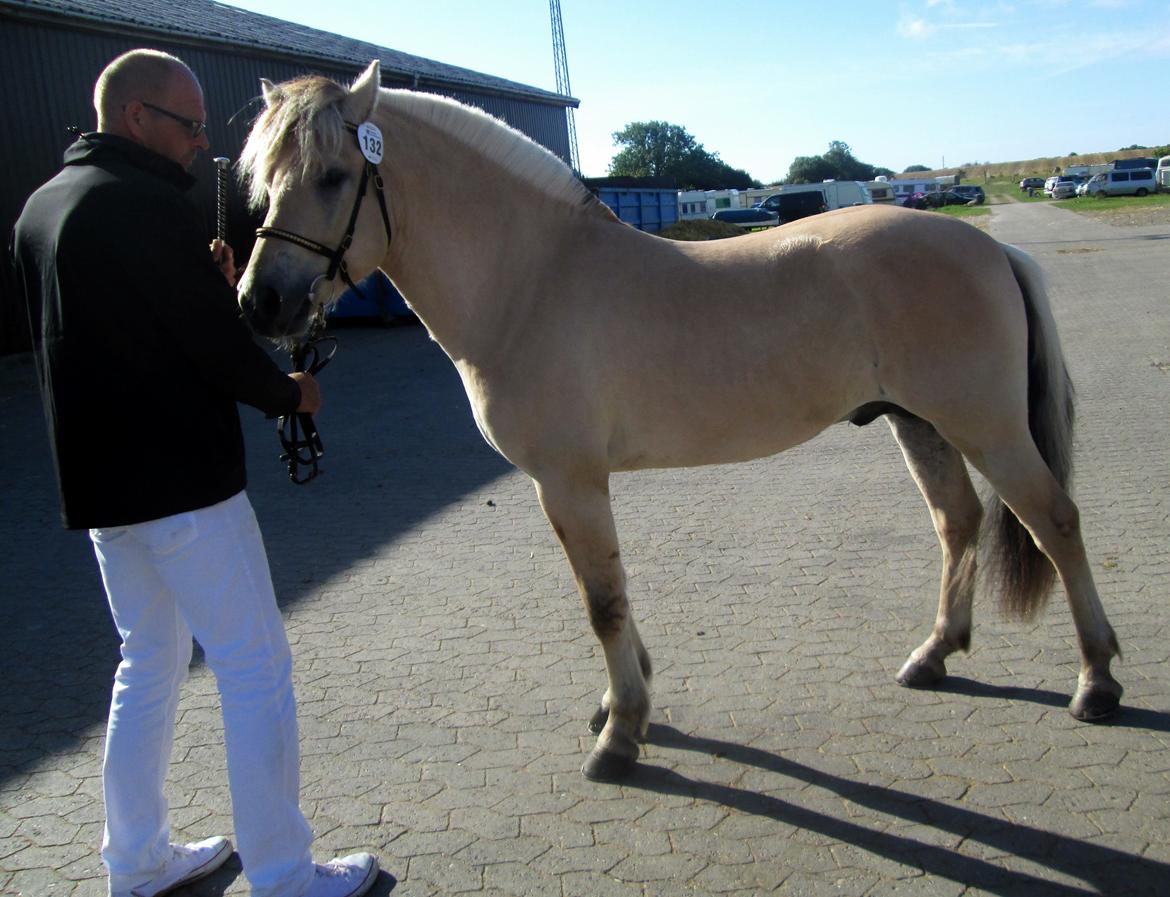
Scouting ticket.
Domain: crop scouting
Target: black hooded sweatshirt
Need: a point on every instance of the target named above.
(143, 352)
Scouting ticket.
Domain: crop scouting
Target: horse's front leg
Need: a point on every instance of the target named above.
(579, 511)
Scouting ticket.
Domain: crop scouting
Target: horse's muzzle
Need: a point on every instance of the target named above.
(271, 314)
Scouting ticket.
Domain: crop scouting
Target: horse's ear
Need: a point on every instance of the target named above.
(268, 89)
(363, 95)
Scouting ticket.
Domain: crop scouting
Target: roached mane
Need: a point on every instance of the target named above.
(303, 124)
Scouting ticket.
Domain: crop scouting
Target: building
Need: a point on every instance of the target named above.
(51, 52)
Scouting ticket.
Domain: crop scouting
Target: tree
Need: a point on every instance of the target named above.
(838, 164)
(660, 149)
(912, 169)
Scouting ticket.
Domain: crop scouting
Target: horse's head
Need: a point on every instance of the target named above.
(303, 160)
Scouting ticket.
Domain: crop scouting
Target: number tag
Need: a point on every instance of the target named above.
(370, 141)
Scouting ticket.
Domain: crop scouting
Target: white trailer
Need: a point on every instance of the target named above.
(881, 190)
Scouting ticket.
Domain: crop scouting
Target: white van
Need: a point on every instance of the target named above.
(1162, 175)
(1134, 182)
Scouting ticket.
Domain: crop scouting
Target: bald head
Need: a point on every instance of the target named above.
(144, 96)
(138, 75)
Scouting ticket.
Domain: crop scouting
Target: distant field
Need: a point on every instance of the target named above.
(983, 172)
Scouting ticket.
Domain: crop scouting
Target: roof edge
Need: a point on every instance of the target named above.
(413, 79)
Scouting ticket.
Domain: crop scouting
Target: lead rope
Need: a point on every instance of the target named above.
(302, 444)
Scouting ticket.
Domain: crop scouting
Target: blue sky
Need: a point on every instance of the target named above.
(762, 81)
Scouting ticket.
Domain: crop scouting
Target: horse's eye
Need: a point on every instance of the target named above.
(332, 179)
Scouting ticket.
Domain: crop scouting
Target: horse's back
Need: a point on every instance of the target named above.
(676, 354)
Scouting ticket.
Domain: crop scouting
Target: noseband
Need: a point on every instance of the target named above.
(298, 433)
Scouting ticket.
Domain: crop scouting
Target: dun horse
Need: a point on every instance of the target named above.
(587, 347)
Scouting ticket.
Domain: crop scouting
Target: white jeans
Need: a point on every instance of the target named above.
(203, 573)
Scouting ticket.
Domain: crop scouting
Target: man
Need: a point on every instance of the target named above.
(142, 361)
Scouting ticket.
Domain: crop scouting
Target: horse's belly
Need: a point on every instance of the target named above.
(687, 440)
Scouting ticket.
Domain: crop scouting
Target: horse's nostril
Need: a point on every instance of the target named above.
(268, 302)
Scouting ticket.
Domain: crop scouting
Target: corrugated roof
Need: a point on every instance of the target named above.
(206, 21)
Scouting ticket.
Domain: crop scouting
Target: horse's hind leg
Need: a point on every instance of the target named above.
(941, 475)
(580, 514)
(1026, 485)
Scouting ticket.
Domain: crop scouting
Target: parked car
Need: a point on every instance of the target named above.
(972, 191)
(1063, 186)
(1135, 182)
(1032, 184)
(1162, 173)
(795, 201)
(747, 218)
(794, 206)
(938, 198)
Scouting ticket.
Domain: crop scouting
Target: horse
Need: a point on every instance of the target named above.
(587, 347)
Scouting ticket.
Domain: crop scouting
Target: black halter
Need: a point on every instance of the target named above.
(298, 434)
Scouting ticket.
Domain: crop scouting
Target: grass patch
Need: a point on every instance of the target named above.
(964, 211)
(1123, 211)
(1122, 204)
(1002, 190)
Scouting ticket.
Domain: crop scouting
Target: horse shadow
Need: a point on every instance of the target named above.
(1125, 718)
(1105, 870)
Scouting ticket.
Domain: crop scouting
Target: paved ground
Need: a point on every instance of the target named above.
(445, 670)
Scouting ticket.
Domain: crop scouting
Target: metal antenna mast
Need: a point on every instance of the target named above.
(561, 61)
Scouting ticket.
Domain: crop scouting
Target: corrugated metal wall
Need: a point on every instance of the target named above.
(48, 72)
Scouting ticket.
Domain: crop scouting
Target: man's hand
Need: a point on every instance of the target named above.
(310, 393)
(225, 259)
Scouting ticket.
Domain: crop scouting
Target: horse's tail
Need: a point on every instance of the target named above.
(1024, 573)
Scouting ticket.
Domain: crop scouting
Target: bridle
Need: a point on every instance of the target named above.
(337, 256)
(298, 434)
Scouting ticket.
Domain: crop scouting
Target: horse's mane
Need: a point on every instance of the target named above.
(515, 152)
(303, 119)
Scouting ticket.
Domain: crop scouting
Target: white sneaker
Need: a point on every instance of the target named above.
(187, 863)
(349, 876)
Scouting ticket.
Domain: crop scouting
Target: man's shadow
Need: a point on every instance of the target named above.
(1105, 870)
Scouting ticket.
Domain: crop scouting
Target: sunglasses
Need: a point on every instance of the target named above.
(196, 128)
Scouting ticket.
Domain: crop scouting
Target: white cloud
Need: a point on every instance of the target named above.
(915, 29)
(934, 16)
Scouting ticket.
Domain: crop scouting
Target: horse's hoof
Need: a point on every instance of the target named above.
(1097, 702)
(922, 673)
(600, 718)
(608, 766)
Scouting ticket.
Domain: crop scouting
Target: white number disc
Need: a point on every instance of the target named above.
(370, 141)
